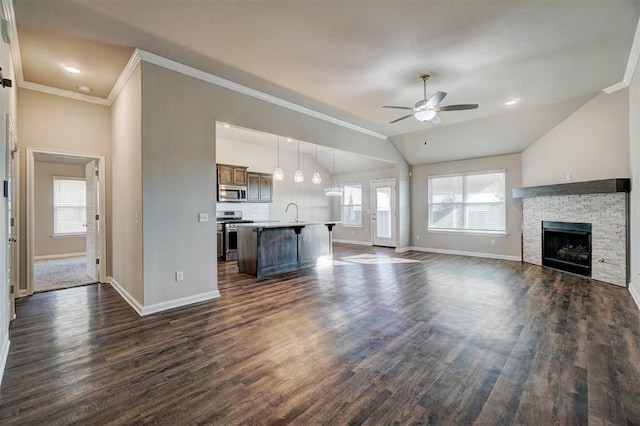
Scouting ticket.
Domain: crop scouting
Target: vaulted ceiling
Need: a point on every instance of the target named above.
(348, 58)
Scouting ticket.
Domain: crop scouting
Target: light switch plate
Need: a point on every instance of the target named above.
(203, 217)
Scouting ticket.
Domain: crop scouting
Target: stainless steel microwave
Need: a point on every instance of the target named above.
(233, 193)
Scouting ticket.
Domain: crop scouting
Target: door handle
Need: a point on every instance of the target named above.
(13, 240)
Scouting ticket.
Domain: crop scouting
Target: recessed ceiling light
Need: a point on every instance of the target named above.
(84, 89)
(289, 140)
(226, 125)
(511, 102)
(72, 70)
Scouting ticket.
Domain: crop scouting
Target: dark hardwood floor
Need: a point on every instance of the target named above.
(375, 338)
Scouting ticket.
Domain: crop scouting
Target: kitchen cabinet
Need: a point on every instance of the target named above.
(232, 175)
(259, 188)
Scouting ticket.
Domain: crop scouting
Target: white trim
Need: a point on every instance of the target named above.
(467, 253)
(634, 295)
(231, 85)
(360, 243)
(632, 62)
(70, 235)
(162, 306)
(125, 295)
(403, 249)
(4, 354)
(63, 93)
(134, 60)
(59, 256)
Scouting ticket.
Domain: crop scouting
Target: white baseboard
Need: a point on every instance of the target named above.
(125, 295)
(403, 249)
(162, 306)
(467, 253)
(4, 354)
(59, 256)
(634, 295)
(360, 243)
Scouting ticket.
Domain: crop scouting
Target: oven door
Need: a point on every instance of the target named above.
(230, 243)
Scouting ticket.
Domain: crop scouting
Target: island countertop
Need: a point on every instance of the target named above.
(285, 224)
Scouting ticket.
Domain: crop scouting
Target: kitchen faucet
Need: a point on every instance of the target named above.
(297, 219)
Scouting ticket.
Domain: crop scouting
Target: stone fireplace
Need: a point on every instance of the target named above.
(584, 226)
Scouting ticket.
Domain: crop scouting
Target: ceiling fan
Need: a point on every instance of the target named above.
(428, 109)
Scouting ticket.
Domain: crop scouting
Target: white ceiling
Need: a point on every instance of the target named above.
(347, 58)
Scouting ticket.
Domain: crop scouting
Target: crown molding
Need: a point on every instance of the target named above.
(64, 93)
(632, 62)
(133, 62)
(236, 87)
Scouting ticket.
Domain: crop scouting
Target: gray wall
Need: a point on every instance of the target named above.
(55, 123)
(126, 183)
(592, 143)
(45, 244)
(503, 246)
(361, 234)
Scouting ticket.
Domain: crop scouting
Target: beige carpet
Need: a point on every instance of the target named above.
(55, 274)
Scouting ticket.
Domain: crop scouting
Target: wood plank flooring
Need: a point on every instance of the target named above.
(376, 338)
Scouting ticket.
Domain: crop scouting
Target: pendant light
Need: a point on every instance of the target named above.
(298, 177)
(316, 179)
(334, 190)
(278, 174)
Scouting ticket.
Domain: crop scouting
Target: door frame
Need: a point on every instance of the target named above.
(13, 156)
(30, 203)
(394, 220)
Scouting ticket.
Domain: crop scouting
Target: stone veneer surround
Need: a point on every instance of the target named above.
(607, 214)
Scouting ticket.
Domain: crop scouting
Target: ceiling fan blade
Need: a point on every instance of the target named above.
(457, 107)
(397, 107)
(435, 99)
(401, 118)
(436, 120)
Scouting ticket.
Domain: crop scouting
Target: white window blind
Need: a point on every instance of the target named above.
(468, 202)
(69, 206)
(352, 205)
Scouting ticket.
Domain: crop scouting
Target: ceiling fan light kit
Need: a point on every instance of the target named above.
(428, 109)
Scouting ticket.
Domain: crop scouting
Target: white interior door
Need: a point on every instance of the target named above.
(12, 244)
(383, 217)
(91, 178)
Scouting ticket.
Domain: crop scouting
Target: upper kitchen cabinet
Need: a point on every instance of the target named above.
(232, 175)
(259, 188)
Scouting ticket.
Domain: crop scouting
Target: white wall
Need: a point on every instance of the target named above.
(358, 234)
(505, 246)
(126, 183)
(263, 159)
(634, 148)
(45, 244)
(49, 122)
(593, 143)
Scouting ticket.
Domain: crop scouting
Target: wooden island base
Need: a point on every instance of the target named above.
(268, 249)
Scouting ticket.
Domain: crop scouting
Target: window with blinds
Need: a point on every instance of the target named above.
(467, 202)
(69, 206)
(352, 205)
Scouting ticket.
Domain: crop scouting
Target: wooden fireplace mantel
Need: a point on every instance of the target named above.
(603, 186)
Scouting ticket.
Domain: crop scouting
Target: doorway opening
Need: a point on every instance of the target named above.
(383, 215)
(65, 201)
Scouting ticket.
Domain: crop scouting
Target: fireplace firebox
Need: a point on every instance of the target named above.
(567, 246)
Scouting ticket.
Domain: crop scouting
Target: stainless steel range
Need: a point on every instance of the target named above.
(228, 233)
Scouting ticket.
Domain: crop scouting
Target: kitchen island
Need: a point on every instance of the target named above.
(272, 247)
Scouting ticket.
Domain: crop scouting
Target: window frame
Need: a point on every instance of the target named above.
(464, 203)
(55, 208)
(343, 205)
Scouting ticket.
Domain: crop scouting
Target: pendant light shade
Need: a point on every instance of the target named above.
(334, 190)
(278, 174)
(298, 177)
(316, 179)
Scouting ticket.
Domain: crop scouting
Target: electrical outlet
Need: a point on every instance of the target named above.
(417, 237)
(179, 276)
(203, 217)
(568, 177)
(493, 242)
